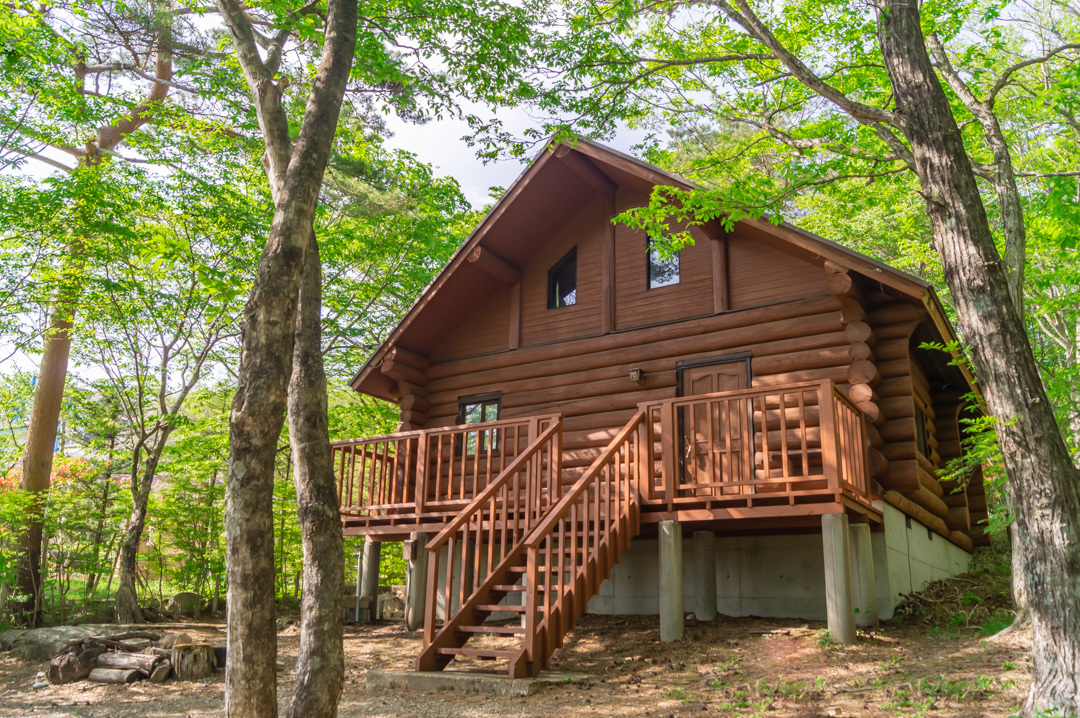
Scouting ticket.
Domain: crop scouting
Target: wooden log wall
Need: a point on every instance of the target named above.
(863, 376)
(588, 381)
(408, 369)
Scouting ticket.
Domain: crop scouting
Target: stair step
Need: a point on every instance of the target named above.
(487, 653)
(494, 630)
(515, 587)
(492, 607)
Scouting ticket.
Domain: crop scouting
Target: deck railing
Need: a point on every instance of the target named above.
(761, 446)
(574, 548)
(479, 542)
(427, 473)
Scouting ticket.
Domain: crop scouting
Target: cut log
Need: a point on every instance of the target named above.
(863, 372)
(403, 372)
(115, 675)
(872, 411)
(142, 662)
(859, 351)
(193, 661)
(839, 284)
(873, 436)
(161, 672)
(74, 663)
(860, 332)
(862, 392)
(171, 639)
(851, 311)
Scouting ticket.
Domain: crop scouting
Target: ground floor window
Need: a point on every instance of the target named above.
(478, 409)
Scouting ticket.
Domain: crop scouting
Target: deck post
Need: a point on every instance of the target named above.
(416, 573)
(672, 619)
(369, 586)
(705, 575)
(864, 582)
(839, 602)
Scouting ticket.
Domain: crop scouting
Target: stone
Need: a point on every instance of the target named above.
(185, 603)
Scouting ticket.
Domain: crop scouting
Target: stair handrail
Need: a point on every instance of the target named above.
(627, 509)
(553, 435)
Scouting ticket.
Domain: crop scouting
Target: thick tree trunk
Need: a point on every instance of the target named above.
(40, 441)
(321, 662)
(1043, 483)
(266, 353)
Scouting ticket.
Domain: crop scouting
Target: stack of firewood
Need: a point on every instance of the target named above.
(112, 659)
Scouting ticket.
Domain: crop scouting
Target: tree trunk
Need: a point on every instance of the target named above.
(40, 441)
(127, 603)
(1043, 483)
(321, 662)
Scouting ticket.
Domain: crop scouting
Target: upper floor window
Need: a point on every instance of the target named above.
(662, 272)
(562, 281)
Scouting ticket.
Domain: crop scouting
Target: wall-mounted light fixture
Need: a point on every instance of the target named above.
(637, 376)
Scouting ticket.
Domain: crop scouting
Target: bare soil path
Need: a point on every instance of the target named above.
(752, 667)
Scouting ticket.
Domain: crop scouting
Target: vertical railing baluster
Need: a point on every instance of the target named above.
(828, 436)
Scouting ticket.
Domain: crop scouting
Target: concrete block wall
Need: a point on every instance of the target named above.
(907, 556)
(781, 576)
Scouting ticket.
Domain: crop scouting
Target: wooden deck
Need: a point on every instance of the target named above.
(511, 538)
(754, 458)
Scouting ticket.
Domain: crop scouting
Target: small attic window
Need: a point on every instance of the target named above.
(662, 272)
(562, 281)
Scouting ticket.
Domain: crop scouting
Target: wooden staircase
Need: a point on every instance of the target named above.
(525, 550)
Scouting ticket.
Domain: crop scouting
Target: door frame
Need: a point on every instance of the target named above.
(710, 361)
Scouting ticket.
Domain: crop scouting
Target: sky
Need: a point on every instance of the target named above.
(440, 143)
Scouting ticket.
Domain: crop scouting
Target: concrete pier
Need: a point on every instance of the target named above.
(672, 618)
(369, 585)
(840, 604)
(416, 582)
(864, 582)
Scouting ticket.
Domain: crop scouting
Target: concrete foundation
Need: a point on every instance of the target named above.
(839, 599)
(781, 576)
(704, 575)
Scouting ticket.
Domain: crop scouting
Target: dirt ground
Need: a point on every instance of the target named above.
(725, 667)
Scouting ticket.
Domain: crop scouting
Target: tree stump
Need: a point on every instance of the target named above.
(193, 661)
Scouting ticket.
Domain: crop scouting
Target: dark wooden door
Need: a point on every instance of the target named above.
(714, 433)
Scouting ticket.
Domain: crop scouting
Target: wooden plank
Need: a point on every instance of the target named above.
(720, 274)
(607, 269)
(514, 339)
(494, 265)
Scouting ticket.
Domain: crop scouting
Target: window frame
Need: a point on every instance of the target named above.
(649, 249)
(491, 398)
(552, 296)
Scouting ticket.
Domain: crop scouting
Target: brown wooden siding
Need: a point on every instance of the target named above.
(635, 304)
(540, 325)
(760, 274)
(487, 329)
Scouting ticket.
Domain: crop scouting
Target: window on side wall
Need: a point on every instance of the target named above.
(663, 272)
(478, 409)
(562, 281)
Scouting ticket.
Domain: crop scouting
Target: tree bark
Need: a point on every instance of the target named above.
(40, 441)
(321, 662)
(127, 601)
(266, 351)
(1043, 483)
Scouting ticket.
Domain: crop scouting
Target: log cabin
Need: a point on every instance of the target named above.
(574, 404)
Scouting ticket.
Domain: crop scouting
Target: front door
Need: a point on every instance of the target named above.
(714, 433)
